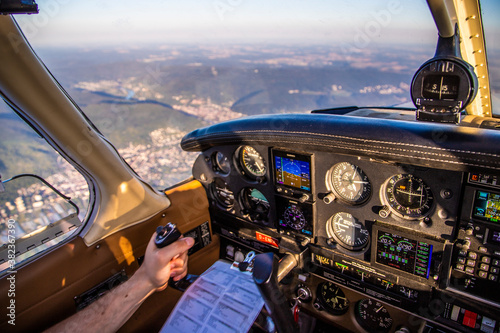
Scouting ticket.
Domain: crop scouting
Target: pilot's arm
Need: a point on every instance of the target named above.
(111, 311)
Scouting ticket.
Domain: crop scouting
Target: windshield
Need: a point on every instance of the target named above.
(147, 72)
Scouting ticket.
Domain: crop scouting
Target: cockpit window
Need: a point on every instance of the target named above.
(147, 72)
(35, 210)
(490, 10)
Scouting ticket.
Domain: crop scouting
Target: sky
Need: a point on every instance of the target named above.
(64, 22)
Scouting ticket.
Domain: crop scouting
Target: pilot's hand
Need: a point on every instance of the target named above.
(161, 264)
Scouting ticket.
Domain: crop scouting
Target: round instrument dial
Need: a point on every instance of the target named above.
(347, 231)
(407, 196)
(294, 217)
(332, 298)
(349, 183)
(255, 204)
(372, 316)
(221, 163)
(222, 193)
(252, 163)
(444, 84)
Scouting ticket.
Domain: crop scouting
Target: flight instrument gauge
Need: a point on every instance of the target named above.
(220, 163)
(294, 217)
(347, 231)
(222, 194)
(251, 161)
(407, 196)
(254, 204)
(372, 316)
(444, 85)
(349, 183)
(332, 298)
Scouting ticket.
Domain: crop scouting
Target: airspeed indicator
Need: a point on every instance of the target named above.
(251, 162)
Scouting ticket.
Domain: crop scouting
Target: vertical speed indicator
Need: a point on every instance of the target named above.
(347, 231)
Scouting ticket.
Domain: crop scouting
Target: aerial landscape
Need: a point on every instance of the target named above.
(144, 100)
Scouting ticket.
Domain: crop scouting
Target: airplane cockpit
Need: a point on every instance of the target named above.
(383, 218)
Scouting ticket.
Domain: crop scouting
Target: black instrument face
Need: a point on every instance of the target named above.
(372, 316)
(332, 298)
(254, 204)
(444, 85)
(251, 161)
(347, 231)
(441, 87)
(407, 196)
(222, 194)
(349, 183)
(294, 217)
(221, 163)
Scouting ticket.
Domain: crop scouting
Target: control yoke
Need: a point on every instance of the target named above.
(267, 271)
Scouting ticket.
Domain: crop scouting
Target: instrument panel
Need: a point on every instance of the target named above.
(382, 244)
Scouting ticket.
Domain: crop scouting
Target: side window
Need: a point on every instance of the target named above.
(36, 211)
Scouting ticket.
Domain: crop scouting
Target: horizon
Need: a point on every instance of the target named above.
(124, 22)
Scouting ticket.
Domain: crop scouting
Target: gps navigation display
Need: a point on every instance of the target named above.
(293, 170)
(487, 206)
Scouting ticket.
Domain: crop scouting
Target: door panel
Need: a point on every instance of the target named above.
(45, 289)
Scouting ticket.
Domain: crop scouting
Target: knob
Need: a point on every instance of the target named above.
(384, 212)
(304, 294)
(304, 198)
(328, 199)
